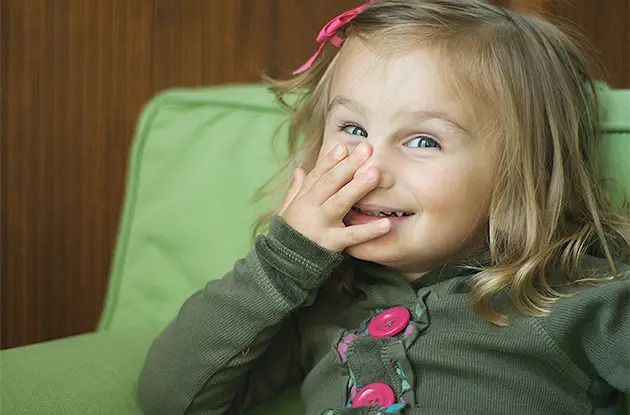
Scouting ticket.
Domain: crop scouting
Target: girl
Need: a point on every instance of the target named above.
(445, 246)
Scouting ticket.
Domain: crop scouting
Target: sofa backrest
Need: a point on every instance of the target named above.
(615, 145)
(197, 159)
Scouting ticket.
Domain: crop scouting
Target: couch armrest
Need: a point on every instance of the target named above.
(94, 373)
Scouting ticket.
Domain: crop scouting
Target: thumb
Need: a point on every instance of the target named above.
(296, 185)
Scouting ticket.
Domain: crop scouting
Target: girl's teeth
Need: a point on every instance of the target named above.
(382, 214)
(374, 213)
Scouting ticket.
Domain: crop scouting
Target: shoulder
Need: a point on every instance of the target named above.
(601, 285)
(591, 325)
(603, 293)
(592, 311)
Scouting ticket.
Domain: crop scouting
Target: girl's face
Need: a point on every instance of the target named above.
(431, 164)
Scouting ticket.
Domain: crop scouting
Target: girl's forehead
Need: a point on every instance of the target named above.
(384, 80)
(358, 59)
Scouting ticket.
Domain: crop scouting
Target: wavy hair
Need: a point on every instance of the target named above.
(550, 206)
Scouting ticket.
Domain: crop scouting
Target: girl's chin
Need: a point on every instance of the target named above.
(369, 251)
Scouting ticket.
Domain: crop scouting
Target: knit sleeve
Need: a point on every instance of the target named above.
(592, 327)
(206, 358)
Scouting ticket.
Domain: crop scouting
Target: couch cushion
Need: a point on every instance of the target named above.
(615, 146)
(198, 157)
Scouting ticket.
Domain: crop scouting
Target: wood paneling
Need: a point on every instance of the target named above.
(606, 24)
(74, 76)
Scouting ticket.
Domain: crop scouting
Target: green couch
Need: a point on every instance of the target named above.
(198, 156)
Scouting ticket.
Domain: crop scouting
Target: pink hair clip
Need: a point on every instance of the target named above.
(329, 32)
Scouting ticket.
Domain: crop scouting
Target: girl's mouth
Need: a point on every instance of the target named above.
(358, 216)
(382, 214)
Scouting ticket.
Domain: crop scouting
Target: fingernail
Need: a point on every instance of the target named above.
(362, 149)
(369, 175)
(340, 151)
(383, 224)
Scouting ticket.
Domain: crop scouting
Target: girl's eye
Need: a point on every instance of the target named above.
(353, 130)
(423, 141)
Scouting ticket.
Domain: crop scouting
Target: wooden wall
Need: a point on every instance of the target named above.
(74, 76)
(606, 23)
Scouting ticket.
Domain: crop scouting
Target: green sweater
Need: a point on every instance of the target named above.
(264, 326)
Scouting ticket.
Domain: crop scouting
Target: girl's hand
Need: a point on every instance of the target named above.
(317, 203)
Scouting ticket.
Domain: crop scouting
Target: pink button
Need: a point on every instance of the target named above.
(389, 323)
(375, 393)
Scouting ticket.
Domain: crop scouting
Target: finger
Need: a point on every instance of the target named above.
(296, 184)
(356, 234)
(337, 177)
(329, 161)
(341, 202)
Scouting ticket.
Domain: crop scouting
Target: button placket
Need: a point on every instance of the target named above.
(393, 351)
(365, 360)
(401, 374)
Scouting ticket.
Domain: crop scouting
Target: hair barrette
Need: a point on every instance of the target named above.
(329, 33)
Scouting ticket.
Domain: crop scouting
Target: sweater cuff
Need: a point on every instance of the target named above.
(296, 265)
(315, 254)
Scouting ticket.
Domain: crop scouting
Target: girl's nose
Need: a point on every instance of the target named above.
(379, 160)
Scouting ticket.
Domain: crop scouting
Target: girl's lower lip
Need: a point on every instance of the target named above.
(357, 218)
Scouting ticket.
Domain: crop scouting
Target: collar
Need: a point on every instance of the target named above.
(452, 269)
(370, 273)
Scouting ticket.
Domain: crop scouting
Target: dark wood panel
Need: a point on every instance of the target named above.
(235, 41)
(73, 78)
(606, 24)
(74, 75)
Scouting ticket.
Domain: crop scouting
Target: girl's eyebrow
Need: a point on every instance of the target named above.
(419, 116)
(340, 101)
(428, 115)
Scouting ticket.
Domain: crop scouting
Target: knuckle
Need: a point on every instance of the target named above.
(352, 234)
(308, 180)
(328, 179)
(336, 204)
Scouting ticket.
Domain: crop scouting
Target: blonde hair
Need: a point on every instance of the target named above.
(550, 207)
